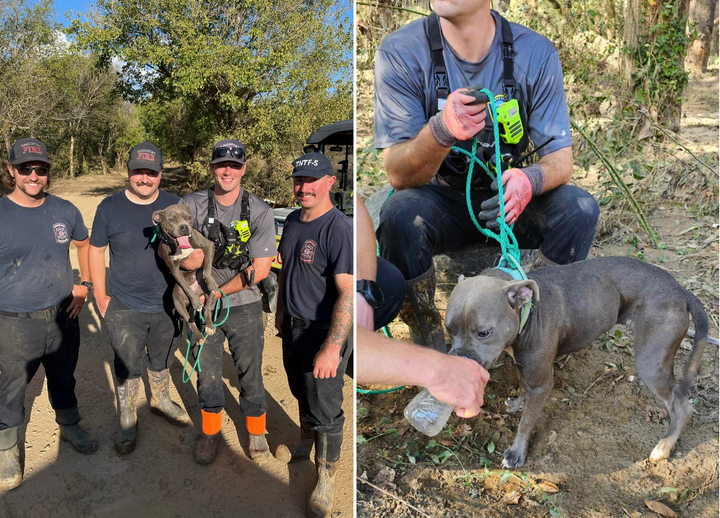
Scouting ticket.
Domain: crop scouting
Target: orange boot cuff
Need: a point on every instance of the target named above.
(255, 425)
(211, 422)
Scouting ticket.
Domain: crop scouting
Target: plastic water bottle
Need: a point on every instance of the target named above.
(427, 414)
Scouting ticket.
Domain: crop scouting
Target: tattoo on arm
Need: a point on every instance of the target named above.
(342, 319)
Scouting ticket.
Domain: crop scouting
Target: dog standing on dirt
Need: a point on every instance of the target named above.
(580, 301)
(178, 242)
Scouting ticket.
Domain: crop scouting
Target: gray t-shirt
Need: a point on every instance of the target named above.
(35, 269)
(262, 242)
(138, 277)
(405, 86)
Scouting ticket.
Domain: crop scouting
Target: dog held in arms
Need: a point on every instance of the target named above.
(178, 241)
(572, 305)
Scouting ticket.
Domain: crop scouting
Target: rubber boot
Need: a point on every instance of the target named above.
(420, 314)
(160, 402)
(68, 420)
(10, 470)
(327, 453)
(206, 447)
(300, 449)
(540, 261)
(127, 394)
(259, 449)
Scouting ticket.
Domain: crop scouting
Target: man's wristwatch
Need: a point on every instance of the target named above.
(371, 292)
(88, 285)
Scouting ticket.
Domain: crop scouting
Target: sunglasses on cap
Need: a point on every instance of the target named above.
(26, 170)
(234, 152)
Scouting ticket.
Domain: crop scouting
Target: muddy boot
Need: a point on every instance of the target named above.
(160, 402)
(68, 420)
(420, 314)
(127, 394)
(259, 449)
(327, 453)
(539, 261)
(300, 449)
(206, 447)
(10, 470)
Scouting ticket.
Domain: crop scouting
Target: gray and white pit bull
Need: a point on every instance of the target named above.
(176, 223)
(579, 302)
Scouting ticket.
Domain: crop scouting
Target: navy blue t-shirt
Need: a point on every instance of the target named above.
(138, 277)
(312, 253)
(35, 269)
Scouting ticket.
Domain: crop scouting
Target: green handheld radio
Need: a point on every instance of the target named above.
(509, 122)
(242, 228)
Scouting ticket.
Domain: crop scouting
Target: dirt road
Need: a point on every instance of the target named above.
(160, 479)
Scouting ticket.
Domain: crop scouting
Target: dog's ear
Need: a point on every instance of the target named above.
(157, 216)
(520, 292)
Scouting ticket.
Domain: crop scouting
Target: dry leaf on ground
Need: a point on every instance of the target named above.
(660, 508)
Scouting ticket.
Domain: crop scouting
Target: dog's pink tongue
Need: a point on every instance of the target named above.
(183, 242)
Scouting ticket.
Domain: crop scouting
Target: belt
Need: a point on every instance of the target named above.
(47, 313)
(302, 323)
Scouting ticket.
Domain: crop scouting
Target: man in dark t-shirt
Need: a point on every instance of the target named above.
(315, 319)
(137, 306)
(423, 111)
(39, 302)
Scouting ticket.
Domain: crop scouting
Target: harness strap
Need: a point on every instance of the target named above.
(508, 59)
(442, 85)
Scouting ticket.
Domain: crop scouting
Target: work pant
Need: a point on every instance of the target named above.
(244, 331)
(392, 284)
(416, 224)
(319, 399)
(136, 336)
(27, 343)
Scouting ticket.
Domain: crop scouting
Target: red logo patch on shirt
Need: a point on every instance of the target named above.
(307, 254)
(61, 233)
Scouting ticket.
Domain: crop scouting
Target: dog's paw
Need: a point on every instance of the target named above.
(513, 459)
(196, 304)
(513, 404)
(200, 340)
(210, 330)
(212, 284)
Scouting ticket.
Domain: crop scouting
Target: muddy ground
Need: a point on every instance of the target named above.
(588, 455)
(160, 479)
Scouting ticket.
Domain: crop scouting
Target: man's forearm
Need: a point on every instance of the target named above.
(384, 361)
(261, 266)
(341, 321)
(415, 162)
(83, 249)
(97, 270)
(558, 168)
(366, 244)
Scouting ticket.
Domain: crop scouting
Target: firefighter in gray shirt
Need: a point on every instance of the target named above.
(229, 205)
(422, 110)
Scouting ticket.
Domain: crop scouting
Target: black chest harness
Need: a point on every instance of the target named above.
(231, 250)
(453, 171)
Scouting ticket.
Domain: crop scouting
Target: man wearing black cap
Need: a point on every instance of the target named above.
(243, 230)
(39, 303)
(315, 320)
(137, 310)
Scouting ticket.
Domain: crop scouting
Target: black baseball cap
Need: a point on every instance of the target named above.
(228, 150)
(314, 165)
(28, 150)
(145, 156)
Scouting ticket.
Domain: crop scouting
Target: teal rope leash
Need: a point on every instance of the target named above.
(196, 365)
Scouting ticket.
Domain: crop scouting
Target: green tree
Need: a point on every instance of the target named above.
(261, 71)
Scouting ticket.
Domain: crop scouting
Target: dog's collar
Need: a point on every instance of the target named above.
(525, 308)
(167, 239)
